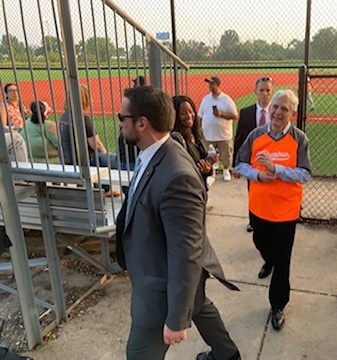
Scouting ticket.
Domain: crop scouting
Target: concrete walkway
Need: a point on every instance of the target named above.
(310, 329)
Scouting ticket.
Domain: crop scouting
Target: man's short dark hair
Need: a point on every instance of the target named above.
(263, 79)
(154, 104)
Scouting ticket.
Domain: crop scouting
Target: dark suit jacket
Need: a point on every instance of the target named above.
(163, 243)
(247, 122)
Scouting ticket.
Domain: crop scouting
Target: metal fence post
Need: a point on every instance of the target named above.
(155, 65)
(307, 34)
(18, 250)
(51, 251)
(76, 103)
(302, 97)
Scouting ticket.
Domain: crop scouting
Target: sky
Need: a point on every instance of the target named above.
(272, 21)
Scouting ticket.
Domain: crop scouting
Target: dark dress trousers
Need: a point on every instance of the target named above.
(165, 249)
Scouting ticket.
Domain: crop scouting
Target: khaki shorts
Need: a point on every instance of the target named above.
(225, 150)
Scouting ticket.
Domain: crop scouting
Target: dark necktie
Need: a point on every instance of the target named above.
(132, 187)
(262, 117)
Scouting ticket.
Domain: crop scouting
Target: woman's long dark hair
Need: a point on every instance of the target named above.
(35, 112)
(178, 126)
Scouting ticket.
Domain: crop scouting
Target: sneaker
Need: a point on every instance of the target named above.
(210, 180)
(209, 205)
(226, 175)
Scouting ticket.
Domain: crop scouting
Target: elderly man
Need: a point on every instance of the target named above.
(275, 158)
(254, 116)
(161, 237)
(217, 111)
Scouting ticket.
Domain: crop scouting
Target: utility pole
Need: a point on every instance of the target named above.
(174, 46)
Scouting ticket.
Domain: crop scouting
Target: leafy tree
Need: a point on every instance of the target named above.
(51, 45)
(192, 50)
(324, 44)
(121, 51)
(277, 51)
(295, 49)
(247, 51)
(229, 39)
(136, 53)
(90, 47)
(18, 48)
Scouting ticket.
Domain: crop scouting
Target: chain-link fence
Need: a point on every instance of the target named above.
(238, 41)
(319, 200)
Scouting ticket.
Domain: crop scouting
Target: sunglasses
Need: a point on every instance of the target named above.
(263, 79)
(123, 117)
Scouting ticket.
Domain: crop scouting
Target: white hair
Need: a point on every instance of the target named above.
(290, 95)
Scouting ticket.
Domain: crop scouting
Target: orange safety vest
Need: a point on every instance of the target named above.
(278, 200)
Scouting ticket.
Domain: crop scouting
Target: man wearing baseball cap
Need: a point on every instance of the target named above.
(139, 81)
(217, 111)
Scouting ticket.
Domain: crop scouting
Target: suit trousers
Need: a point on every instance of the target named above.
(145, 343)
(275, 241)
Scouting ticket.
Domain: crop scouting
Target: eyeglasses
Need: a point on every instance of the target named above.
(263, 79)
(12, 90)
(123, 117)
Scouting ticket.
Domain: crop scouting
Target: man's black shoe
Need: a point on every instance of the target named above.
(277, 319)
(265, 271)
(249, 228)
(208, 355)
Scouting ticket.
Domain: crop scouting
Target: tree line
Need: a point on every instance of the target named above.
(323, 46)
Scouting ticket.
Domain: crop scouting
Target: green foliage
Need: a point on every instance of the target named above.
(136, 53)
(19, 50)
(230, 48)
(192, 50)
(103, 47)
(324, 44)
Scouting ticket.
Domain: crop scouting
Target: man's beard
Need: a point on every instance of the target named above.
(131, 140)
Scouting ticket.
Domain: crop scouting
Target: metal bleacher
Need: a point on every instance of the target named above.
(61, 199)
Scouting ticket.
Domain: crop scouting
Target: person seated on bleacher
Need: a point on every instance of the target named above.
(13, 115)
(68, 140)
(41, 130)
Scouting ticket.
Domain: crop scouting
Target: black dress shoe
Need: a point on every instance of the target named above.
(265, 271)
(249, 228)
(277, 319)
(208, 355)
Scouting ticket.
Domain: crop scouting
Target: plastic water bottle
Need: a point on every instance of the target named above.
(211, 150)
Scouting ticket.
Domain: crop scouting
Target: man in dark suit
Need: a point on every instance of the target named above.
(253, 116)
(161, 237)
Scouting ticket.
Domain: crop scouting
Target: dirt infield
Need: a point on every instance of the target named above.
(235, 85)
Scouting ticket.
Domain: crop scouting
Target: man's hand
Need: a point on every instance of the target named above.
(236, 174)
(266, 176)
(172, 337)
(216, 112)
(264, 159)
